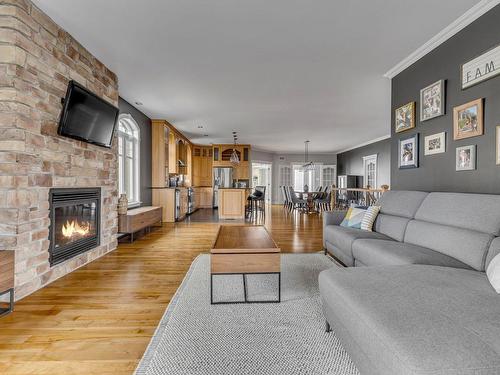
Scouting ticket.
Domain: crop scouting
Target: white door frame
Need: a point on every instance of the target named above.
(367, 159)
(281, 166)
(269, 188)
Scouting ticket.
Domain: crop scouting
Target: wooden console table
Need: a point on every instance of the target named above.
(138, 219)
(7, 279)
(244, 250)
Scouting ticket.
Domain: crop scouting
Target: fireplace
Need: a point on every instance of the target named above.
(74, 222)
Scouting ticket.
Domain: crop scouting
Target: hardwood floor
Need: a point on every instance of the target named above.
(100, 318)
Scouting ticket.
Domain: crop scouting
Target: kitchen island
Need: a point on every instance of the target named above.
(232, 203)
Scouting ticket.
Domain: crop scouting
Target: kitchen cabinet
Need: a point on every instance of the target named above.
(242, 172)
(222, 154)
(173, 166)
(165, 198)
(204, 197)
(159, 153)
(232, 203)
(202, 166)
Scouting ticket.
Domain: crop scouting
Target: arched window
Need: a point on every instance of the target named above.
(128, 159)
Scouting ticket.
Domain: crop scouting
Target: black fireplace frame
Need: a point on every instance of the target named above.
(61, 197)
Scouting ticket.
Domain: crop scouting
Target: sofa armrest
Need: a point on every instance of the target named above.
(333, 217)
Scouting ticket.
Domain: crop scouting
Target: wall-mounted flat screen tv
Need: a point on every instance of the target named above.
(87, 117)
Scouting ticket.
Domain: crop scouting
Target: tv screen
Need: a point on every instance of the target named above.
(87, 117)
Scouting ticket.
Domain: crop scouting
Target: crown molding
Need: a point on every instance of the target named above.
(460, 23)
(366, 143)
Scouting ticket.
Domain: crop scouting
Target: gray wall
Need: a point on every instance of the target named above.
(437, 172)
(351, 162)
(144, 123)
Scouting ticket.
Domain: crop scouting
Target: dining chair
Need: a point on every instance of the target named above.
(296, 201)
(324, 203)
(285, 196)
(289, 203)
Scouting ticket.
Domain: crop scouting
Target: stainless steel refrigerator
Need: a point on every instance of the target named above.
(223, 178)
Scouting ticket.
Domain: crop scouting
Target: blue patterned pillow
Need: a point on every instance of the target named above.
(353, 218)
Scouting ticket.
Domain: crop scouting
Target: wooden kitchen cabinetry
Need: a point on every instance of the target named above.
(222, 154)
(202, 166)
(165, 198)
(204, 197)
(173, 167)
(160, 153)
(232, 203)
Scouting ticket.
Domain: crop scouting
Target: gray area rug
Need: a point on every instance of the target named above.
(195, 337)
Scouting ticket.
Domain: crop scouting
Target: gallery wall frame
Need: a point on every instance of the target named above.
(435, 144)
(465, 158)
(404, 117)
(432, 100)
(468, 120)
(408, 149)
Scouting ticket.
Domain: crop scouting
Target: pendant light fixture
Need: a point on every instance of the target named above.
(308, 165)
(235, 159)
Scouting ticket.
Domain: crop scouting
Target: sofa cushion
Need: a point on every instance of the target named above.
(391, 226)
(414, 319)
(343, 237)
(479, 212)
(401, 203)
(380, 253)
(468, 246)
(338, 241)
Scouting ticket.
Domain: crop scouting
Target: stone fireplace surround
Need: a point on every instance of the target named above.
(37, 59)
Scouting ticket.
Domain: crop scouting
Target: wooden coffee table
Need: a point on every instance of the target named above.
(244, 250)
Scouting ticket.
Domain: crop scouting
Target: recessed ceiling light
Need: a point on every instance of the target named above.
(138, 103)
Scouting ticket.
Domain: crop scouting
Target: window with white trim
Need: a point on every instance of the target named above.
(128, 159)
(328, 174)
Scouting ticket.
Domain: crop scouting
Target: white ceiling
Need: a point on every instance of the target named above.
(276, 71)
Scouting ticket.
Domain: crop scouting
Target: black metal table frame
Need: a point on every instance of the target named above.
(11, 302)
(244, 287)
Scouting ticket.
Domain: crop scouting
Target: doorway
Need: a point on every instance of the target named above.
(262, 176)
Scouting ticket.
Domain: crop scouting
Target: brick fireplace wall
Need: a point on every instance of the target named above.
(37, 59)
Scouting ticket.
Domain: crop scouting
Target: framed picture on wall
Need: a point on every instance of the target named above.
(435, 144)
(497, 145)
(432, 100)
(408, 152)
(405, 117)
(468, 120)
(466, 158)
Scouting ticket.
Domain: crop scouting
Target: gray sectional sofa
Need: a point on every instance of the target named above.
(418, 300)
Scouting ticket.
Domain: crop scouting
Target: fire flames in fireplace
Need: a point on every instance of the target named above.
(74, 229)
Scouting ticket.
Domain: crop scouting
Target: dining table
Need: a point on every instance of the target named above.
(309, 196)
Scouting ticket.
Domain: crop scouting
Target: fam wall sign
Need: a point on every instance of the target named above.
(481, 68)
